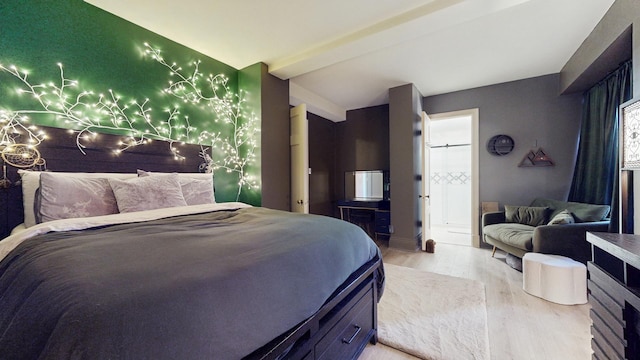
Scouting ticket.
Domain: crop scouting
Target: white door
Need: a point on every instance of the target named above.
(426, 204)
(299, 142)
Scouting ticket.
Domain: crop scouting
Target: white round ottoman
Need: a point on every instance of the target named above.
(555, 278)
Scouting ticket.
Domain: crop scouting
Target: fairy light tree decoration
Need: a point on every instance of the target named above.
(13, 129)
(234, 153)
(86, 113)
(14, 126)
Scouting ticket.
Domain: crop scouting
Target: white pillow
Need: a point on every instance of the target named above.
(197, 188)
(148, 193)
(31, 183)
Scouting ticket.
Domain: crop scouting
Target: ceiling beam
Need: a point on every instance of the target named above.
(315, 103)
(341, 48)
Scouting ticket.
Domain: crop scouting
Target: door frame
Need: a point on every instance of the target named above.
(475, 167)
(299, 147)
(425, 191)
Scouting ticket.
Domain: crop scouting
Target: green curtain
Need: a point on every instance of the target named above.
(595, 178)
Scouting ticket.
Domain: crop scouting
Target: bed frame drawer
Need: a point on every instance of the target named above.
(321, 336)
(349, 336)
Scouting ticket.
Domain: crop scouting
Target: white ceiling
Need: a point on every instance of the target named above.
(341, 55)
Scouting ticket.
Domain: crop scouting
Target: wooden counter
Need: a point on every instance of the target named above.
(614, 295)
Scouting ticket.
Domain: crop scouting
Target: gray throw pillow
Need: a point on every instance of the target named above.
(527, 215)
(581, 212)
(563, 217)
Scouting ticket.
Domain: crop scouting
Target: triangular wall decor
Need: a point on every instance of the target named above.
(536, 158)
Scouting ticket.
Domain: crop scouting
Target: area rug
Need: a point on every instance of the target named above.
(433, 316)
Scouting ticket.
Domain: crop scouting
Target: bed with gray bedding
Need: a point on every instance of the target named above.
(207, 285)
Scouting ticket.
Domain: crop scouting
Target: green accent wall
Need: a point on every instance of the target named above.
(104, 52)
(250, 80)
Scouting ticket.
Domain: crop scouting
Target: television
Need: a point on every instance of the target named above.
(366, 185)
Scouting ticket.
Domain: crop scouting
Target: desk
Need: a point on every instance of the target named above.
(366, 213)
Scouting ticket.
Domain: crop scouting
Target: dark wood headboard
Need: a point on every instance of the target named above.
(61, 154)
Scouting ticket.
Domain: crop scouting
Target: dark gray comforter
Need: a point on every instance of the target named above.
(216, 285)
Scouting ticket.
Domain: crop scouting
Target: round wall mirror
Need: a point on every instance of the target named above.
(500, 145)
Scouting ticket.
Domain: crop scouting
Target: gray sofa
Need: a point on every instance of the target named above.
(522, 229)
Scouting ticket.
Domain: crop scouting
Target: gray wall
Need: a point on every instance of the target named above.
(275, 154)
(612, 41)
(636, 52)
(362, 143)
(528, 110)
(405, 109)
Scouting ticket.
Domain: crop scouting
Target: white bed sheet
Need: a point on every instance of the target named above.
(19, 228)
(12, 241)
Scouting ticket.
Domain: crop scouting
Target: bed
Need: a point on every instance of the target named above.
(181, 280)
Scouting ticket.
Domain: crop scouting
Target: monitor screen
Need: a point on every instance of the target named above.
(364, 185)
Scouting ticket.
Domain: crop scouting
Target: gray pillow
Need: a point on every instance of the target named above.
(197, 191)
(64, 197)
(148, 193)
(581, 212)
(31, 182)
(527, 215)
(563, 217)
(197, 188)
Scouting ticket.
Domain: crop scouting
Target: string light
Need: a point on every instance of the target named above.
(233, 147)
(227, 108)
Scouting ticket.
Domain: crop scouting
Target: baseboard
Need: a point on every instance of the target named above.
(404, 243)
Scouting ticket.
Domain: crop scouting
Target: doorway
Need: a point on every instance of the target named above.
(299, 147)
(453, 177)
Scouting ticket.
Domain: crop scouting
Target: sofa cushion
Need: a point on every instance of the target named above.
(527, 215)
(514, 234)
(582, 212)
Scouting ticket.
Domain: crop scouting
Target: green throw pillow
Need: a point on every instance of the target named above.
(563, 217)
(527, 215)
